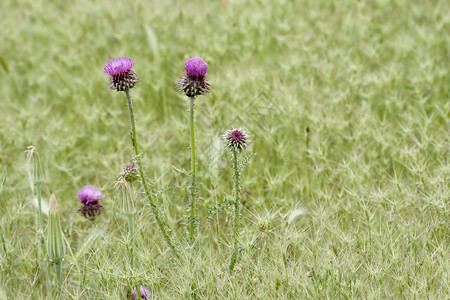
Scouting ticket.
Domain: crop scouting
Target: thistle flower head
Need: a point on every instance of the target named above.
(236, 139)
(196, 68)
(130, 173)
(194, 82)
(145, 293)
(89, 197)
(122, 77)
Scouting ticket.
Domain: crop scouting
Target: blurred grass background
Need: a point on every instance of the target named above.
(369, 80)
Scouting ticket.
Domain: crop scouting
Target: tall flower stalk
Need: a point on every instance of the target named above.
(36, 185)
(123, 79)
(236, 140)
(193, 84)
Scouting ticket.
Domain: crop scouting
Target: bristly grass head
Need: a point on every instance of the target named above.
(236, 139)
(90, 197)
(194, 82)
(122, 77)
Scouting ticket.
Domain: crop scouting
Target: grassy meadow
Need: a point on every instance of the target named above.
(347, 104)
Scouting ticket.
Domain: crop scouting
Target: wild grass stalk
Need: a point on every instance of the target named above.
(35, 177)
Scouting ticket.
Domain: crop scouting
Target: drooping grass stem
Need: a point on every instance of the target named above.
(162, 225)
(192, 222)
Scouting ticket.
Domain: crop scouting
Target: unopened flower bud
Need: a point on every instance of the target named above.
(55, 238)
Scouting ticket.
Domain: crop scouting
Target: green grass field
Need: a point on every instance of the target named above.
(347, 103)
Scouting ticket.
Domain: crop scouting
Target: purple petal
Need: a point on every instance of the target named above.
(133, 294)
(196, 68)
(118, 65)
(89, 195)
(145, 292)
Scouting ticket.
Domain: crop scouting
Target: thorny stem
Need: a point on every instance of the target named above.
(192, 193)
(237, 203)
(162, 225)
(191, 113)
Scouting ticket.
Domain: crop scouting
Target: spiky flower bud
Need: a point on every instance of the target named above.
(194, 82)
(89, 197)
(122, 77)
(236, 139)
(55, 238)
(130, 173)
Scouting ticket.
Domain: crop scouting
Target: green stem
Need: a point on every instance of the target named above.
(40, 237)
(193, 205)
(191, 122)
(163, 227)
(58, 271)
(37, 189)
(237, 203)
(130, 218)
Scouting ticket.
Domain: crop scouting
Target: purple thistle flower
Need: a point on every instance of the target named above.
(194, 82)
(130, 173)
(196, 68)
(122, 77)
(89, 197)
(145, 293)
(236, 139)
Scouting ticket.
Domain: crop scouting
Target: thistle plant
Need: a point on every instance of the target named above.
(193, 84)
(56, 249)
(122, 80)
(236, 141)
